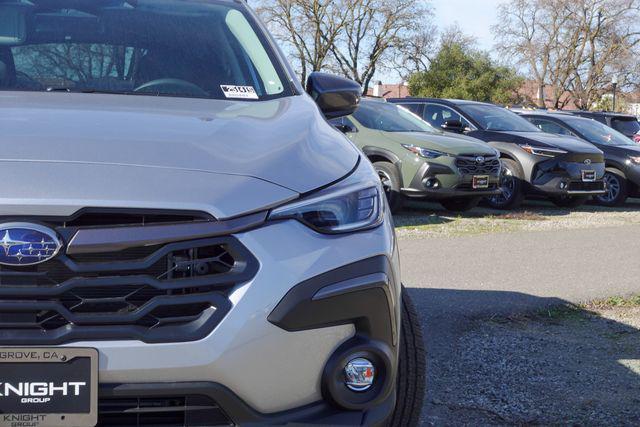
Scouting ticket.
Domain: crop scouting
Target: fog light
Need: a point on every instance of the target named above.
(359, 374)
(564, 185)
(431, 183)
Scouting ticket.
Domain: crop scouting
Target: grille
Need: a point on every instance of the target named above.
(586, 186)
(175, 292)
(184, 411)
(468, 165)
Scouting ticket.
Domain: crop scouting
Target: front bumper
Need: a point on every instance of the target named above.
(209, 404)
(271, 367)
(562, 178)
(451, 181)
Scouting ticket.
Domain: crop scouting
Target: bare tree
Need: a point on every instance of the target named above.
(308, 29)
(376, 32)
(571, 46)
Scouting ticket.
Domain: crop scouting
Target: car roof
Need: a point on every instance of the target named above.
(437, 100)
(546, 113)
(603, 114)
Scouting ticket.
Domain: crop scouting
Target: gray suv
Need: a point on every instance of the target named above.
(184, 238)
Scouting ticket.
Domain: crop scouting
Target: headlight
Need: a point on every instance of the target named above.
(423, 152)
(343, 208)
(543, 151)
(634, 160)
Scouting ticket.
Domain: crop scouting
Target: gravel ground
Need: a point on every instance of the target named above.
(421, 220)
(494, 358)
(573, 367)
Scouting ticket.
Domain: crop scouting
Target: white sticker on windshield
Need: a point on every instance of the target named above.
(239, 92)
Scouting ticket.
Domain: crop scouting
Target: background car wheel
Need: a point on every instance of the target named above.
(511, 185)
(617, 189)
(391, 183)
(411, 368)
(460, 204)
(569, 201)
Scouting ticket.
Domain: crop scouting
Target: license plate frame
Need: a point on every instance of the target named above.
(36, 368)
(480, 182)
(589, 176)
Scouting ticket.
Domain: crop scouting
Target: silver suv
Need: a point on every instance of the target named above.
(184, 239)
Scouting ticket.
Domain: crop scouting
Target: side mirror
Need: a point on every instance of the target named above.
(454, 126)
(336, 96)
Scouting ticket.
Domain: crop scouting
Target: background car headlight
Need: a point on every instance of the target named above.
(543, 151)
(635, 160)
(339, 209)
(423, 152)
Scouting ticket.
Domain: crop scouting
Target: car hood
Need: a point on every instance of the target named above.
(447, 143)
(236, 156)
(542, 139)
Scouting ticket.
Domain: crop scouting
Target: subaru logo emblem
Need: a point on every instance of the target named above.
(480, 160)
(587, 162)
(23, 244)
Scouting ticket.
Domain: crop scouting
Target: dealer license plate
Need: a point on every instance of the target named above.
(589, 176)
(480, 182)
(47, 387)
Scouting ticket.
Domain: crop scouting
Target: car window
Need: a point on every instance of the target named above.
(437, 115)
(185, 48)
(389, 117)
(493, 118)
(626, 126)
(549, 126)
(416, 109)
(597, 133)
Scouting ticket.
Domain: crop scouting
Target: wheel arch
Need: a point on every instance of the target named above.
(376, 154)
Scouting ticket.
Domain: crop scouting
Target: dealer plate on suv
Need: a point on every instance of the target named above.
(480, 182)
(46, 387)
(589, 176)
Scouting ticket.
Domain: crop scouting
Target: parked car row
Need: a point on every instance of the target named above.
(460, 152)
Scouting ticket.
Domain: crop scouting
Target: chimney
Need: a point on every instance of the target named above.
(377, 89)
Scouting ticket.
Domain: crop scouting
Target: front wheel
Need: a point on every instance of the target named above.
(569, 202)
(411, 378)
(460, 204)
(617, 189)
(511, 187)
(390, 180)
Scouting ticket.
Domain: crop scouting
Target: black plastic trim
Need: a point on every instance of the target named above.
(115, 239)
(369, 306)
(318, 413)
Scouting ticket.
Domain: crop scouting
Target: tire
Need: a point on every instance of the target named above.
(569, 202)
(617, 189)
(391, 183)
(460, 204)
(411, 368)
(511, 182)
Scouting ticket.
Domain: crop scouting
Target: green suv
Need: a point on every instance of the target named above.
(415, 160)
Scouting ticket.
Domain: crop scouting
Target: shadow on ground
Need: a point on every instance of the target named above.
(511, 358)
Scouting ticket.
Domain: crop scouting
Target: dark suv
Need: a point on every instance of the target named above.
(567, 170)
(626, 124)
(622, 156)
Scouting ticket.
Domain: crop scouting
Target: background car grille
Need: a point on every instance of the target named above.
(165, 293)
(468, 165)
(183, 411)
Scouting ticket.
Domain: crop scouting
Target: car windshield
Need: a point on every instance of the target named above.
(493, 118)
(185, 48)
(379, 115)
(626, 126)
(597, 133)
